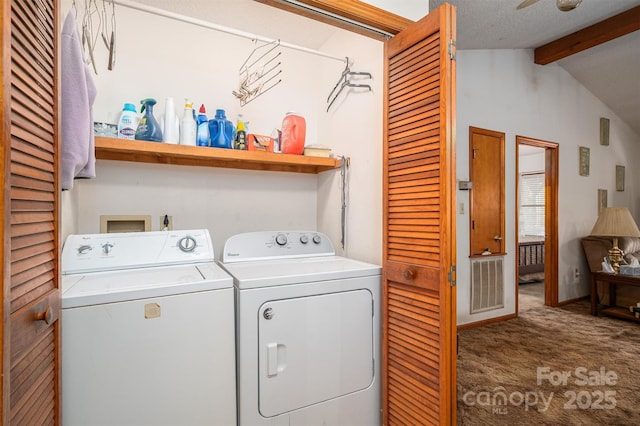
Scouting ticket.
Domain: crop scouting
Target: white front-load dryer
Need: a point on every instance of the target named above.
(308, 331)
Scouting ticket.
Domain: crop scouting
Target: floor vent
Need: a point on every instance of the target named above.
(487, 284)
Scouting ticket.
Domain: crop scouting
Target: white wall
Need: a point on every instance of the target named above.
(203, 64)
(410, 9)
(504, 90)
(533, 162)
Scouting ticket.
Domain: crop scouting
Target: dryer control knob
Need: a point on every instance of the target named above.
(304, 239)
(106, 248)
(316, 239)
(187, 244)
(281, 239)
(84, 249)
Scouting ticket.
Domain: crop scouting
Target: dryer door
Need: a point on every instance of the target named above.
(313, 349)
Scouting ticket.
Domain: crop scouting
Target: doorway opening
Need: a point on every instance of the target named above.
(536, 222)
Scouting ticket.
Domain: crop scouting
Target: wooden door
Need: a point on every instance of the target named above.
(419, 320)
(486, 200)
(31, 300)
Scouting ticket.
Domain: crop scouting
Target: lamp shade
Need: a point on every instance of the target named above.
(615, 222)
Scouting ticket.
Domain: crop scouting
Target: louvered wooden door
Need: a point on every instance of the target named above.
(419, 224)
(31, 300)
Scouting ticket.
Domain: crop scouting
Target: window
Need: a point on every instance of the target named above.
(531, 222)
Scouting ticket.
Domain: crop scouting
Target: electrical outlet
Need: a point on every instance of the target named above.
(169, 225)
(576, 276)
(461, 208)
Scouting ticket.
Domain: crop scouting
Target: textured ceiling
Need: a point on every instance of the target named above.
(611, 71)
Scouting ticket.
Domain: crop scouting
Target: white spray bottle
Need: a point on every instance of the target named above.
(188, 125)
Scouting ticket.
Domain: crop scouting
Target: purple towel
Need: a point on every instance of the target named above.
(78, 92)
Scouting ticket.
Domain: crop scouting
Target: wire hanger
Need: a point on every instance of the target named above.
(256, 77)
(344, 81)
(110, 41)
(94, 26)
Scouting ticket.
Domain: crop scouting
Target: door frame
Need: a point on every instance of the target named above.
(551, 173)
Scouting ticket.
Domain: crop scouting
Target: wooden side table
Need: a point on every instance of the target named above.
(612, 280)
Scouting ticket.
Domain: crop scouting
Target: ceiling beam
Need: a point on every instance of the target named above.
(602, 32)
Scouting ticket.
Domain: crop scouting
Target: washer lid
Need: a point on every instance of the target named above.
(118, 286)
(269, 273)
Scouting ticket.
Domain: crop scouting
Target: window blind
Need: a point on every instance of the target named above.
(531, 221)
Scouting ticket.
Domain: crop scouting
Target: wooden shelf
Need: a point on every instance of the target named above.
(164, 153)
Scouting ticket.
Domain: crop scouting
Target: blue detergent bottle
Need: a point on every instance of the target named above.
(221, 131)
(202, 129)
(148, 127)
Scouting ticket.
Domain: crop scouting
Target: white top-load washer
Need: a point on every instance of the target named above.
(148, 333)
(308, 331)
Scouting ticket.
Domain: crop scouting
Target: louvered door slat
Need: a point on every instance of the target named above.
(24, 117)
(36, 184)
(419, 225)
(33, 92)
(21, 371)
(30, 172)
(31, 150)
(29, 194)
(30, 270)
(39, 15)
(31, 290)
(32, 240)
(29, 160)
(24, 253)
(41, 44)
(24, 65)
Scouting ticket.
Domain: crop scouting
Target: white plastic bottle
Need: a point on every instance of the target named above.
(169, 123)
(188, 125)
(128, 122)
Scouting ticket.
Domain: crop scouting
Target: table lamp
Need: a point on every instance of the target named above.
(615, 222)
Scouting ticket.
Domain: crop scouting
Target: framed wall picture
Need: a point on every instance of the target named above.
(619, 178)
(604, 131)
(602, 200)
(584, 161)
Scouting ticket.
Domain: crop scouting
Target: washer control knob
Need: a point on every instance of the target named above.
(268, 313)
(106, 248)
(304, 239)
(187, 244)
(84, 249)
(281, 239)
(316, 239)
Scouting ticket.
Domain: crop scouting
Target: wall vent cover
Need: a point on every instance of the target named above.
(487, 284)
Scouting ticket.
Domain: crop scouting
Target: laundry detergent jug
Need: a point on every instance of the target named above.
(294, 128)
(221, 131)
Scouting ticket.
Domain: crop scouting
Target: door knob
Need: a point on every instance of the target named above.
(497, 238)
(46, 316)
(409, 274)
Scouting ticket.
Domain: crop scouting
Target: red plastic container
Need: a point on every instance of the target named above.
(294, 129)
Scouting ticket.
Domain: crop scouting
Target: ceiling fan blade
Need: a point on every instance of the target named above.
(526, 3)
(567, 5)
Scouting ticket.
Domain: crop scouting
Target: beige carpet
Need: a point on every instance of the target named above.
(550, 366)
